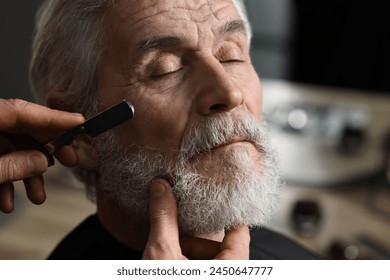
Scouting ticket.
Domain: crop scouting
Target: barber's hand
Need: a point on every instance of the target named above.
(164, 241)
(23, 118)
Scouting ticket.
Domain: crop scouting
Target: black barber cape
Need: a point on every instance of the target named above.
(91, 241)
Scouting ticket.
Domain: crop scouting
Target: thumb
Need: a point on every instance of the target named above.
(162, 206)
(163, 240)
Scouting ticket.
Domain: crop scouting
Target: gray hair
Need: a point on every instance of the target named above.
(67, 46)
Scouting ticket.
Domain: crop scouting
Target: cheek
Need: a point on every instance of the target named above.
(164, 127)
(253, 94)
(159, 122)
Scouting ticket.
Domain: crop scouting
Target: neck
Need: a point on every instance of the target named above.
(122, 225)
(128, 229)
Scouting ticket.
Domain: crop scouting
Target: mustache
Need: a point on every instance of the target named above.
(222, 129)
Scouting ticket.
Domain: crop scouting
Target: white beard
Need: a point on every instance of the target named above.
(245, 190)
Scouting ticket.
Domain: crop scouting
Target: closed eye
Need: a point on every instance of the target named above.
(232, 61)
(160, 75)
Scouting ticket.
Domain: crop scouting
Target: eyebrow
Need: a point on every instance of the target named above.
(234, 26)
(164, 42)
(159, 43)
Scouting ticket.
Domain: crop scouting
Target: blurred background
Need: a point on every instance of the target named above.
(325, 69)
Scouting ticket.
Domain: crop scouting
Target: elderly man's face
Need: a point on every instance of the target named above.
(181, 64)
(178, 62)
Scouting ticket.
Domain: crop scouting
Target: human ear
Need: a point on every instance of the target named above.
(57, 100)
(86, 152)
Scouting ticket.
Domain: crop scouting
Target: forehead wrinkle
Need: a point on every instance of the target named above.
(203, 11)
(126, 14)
(195, 11)
(149, 10)
(119, 16)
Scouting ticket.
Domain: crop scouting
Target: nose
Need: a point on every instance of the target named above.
(218, 92)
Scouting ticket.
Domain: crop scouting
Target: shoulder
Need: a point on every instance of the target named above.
(91, 241)
(267, 244)
(78, 243)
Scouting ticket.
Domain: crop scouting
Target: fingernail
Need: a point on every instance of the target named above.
(157, 189)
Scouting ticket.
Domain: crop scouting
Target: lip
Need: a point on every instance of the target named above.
(233, 142)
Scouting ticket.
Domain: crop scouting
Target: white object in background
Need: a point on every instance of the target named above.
(325, 135)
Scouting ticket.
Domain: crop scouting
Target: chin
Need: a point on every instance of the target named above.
(225, 190)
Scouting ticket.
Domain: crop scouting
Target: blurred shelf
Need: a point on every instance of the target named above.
(349, 216)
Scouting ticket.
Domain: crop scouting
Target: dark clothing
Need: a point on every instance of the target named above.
(91, 241)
